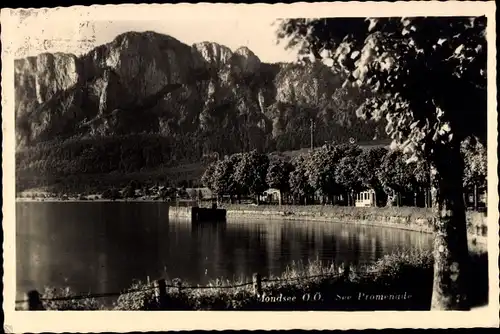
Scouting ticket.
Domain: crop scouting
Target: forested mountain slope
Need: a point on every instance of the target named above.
(146, 100)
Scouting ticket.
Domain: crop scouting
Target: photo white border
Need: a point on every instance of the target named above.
(125, 321)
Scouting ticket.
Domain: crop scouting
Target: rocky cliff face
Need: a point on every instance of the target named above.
(146, 82)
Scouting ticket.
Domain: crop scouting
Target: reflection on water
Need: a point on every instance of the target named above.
(102, 247)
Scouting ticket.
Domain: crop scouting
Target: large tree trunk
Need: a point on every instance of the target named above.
(451, 253)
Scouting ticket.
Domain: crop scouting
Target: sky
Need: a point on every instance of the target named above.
(38, 34)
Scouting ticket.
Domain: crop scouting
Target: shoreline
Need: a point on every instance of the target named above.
(417, 225)
(472, 238)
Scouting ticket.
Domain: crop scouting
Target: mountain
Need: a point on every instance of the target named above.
(179, 101)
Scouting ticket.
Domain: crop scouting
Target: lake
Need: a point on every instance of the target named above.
(102, 247)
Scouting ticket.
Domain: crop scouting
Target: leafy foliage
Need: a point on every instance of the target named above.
(368, 164)
(251, 172)
(129, 192)
(336, 168)
(321, 169)
(278, 174)
(207, 178)
(395, 174)
(476, 163)
(421, 174)
(142, 298)
(111, 194)
(223, 177)
(84, 304)
(346, 174)
(299, 182)
(427, 75)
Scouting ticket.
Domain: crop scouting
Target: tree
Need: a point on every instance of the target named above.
(421, 178)
(168, 193)
(129, 192)
(250, 173)
(395, 176)
(223, 178)
(236, 188)
(207, 179)
(112, 194)
(321, 167)
(427, 77)
(368, 164)
(348, 150)
(182, 184)
(346, 176)
(476, 165)
(183, 194)
(192, 193)
(278, 175)
(134, 184)
(299, 181)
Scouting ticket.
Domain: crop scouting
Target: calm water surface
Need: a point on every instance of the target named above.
(103, 247)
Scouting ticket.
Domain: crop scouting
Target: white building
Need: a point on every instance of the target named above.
(365, 198)
(270, 195)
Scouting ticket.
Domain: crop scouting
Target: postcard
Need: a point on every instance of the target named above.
(232, 166)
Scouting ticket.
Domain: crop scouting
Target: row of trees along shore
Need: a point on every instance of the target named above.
(334, 174)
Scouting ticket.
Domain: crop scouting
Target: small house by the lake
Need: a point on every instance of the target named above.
(271, 196)
(365, 198)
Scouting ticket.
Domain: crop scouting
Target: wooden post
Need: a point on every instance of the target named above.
(257, 284)
(34, 302)
(161, 292)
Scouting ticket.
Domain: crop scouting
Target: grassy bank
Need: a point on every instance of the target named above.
(401, 281)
